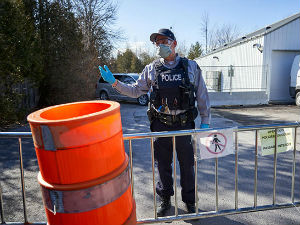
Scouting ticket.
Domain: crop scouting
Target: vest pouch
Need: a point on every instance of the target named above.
(155, 98)
(185, 97)
(192, 101)
(192, 97)
(170, 97)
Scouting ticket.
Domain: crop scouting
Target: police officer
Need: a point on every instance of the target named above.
(174, 83)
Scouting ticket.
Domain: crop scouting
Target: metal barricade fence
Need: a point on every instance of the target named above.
(197, 214)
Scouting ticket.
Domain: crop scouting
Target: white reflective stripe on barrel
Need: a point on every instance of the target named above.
(87, 199)
(47, 138)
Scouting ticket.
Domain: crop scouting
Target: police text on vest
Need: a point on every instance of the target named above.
(171, 77)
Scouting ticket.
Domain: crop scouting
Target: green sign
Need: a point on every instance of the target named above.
(285, 140)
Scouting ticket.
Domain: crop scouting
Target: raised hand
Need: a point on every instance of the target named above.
(107, 75)
(203, 126)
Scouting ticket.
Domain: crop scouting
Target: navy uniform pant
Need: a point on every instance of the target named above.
(163, 155)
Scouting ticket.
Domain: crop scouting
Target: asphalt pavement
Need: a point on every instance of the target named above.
(134, 120)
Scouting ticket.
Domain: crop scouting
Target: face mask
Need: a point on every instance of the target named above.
(164, 50)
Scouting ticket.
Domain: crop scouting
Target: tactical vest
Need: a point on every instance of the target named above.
(172, 87)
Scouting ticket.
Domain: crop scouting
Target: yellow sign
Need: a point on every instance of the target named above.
(285, 140)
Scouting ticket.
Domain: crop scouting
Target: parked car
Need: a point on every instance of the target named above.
(105, 91)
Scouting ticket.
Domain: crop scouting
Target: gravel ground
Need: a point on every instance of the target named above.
(134, 120)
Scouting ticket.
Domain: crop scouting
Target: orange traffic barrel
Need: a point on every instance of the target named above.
(78, 142)
(84, 173)
(106, 200)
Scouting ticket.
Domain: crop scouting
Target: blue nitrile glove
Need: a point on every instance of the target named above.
(107, 75)
(203, 126)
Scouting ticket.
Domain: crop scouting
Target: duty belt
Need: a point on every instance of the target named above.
(182, 118)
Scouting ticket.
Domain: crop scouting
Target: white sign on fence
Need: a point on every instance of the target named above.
(215, 143)
(285, 140)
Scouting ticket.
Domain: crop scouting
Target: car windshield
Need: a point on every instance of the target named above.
(135, 77)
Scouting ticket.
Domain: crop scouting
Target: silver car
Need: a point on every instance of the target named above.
(105, 91)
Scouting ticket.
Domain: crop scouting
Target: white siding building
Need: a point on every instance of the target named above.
(254, 69)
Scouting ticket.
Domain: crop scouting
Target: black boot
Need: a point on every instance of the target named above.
(190, 207)
(164, 206)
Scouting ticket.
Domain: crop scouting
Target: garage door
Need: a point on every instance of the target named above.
(280, 75)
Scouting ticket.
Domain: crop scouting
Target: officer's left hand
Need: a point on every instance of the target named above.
(203, 126)
(107, 75)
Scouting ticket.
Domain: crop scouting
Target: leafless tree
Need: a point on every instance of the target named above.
(217, 36)
(223, 35)
(204, 28)
(182, 49)
(96, 19)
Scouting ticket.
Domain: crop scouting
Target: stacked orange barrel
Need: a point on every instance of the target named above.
(84, 173)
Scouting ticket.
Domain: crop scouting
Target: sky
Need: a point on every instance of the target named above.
(137, 19)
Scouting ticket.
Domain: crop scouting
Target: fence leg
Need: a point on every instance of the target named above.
(294, 166)
(216, 183)
(275, 167)
(153, 174)
(22, 181)
(131, 168)
(175, 175)
(196, 174)
(1, 206)
(256, 168)
(236, 171)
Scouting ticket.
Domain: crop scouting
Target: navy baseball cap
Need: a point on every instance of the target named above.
(163, 32)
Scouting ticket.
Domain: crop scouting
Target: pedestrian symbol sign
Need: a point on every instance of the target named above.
(218, 143)
(215, 143)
